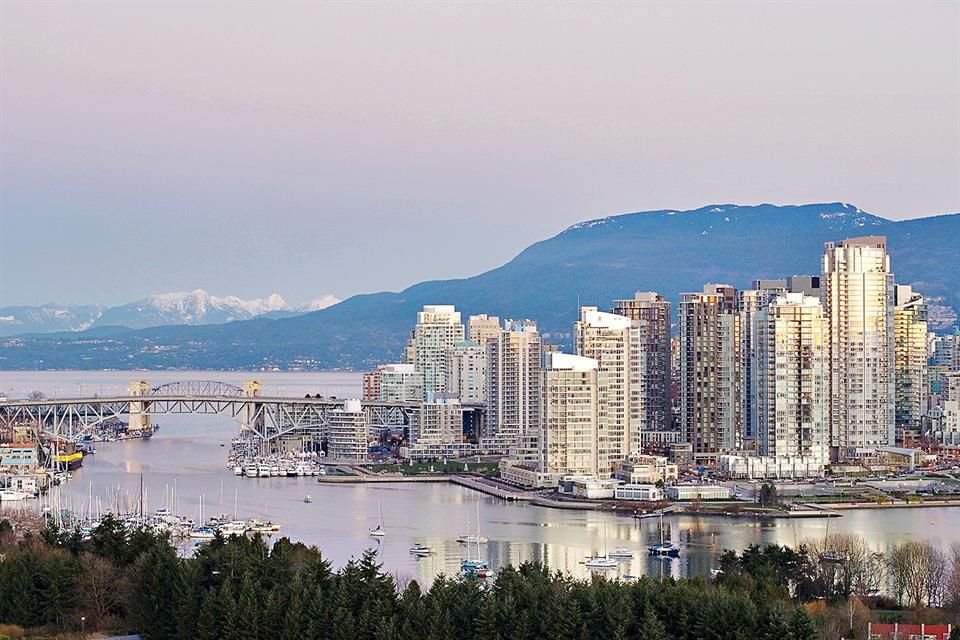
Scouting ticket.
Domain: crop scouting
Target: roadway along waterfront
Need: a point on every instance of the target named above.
(186, 453)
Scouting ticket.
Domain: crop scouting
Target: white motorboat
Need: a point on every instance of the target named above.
(12, 495)
(621, 553)
(233, 528)
(202, 533)
(600, 562)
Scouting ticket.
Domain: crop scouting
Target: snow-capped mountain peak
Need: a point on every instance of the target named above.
(318, 303)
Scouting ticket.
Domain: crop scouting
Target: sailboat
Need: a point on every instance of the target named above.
(829, 555)
(601, 561)
(479, 567)
(202, 532)
(664, 549)
(471, 538)
(379, 531)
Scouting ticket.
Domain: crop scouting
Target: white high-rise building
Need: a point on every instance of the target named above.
(710, 371)
(858, 296)
(348, 432)
(467, 372)
(438, 329)
(606, 338)
(399, 383)
(482, 327)
(749, 303)
(910, 367)
(439, 422)
(790, 359)
(514, 383)
(570, 407)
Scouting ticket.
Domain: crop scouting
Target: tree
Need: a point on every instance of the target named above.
(651, 628)
(920, 572)
(99, 586)
(768, 495)
(487, 626)
(801, 626)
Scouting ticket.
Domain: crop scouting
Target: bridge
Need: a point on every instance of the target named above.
(266, 418)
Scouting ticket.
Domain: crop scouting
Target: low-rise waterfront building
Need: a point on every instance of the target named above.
(645, 470)
(440, 451)
(683, 492)
(755, 467)
(640, 492)
(590, 488)
(18, 457)
(526, 474)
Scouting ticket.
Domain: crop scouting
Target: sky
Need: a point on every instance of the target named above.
(313, 148)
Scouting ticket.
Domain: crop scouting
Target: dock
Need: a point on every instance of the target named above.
(491, 489)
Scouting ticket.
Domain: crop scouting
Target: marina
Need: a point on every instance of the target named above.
(187, 453)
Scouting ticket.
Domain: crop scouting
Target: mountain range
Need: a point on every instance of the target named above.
(593, 262)
(187, 308)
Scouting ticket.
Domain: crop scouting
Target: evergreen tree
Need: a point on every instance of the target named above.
(294, 624)
(249, 623)
(801, 626)
(651, 628)
(154, 599)
(209, 620)
(774, 624)
(487, 623)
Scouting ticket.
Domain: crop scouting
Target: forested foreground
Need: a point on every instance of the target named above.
(241, 589)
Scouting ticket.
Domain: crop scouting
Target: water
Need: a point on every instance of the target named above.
(186, 454)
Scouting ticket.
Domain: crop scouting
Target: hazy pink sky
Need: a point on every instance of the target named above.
(308, 148)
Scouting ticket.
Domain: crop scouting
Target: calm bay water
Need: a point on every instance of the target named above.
(187, 454)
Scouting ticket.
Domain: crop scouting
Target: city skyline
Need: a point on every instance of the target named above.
(193, 153)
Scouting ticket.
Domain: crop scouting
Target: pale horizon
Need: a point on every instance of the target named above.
(315, 148)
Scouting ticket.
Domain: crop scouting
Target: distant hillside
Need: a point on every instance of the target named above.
(592, 262)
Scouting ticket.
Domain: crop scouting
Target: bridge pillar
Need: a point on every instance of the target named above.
(139, 411)
(248, 416)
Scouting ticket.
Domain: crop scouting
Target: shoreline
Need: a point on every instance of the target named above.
(512, 494)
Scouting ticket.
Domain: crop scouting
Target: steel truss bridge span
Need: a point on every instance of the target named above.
(266, 418)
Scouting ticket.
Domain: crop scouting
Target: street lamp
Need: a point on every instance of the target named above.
(83, 625)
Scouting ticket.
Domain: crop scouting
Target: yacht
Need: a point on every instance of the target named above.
(621, 553)
(420, 550)
(600, 562)
(250, 471)
(664, 549)
(478, 568)
(202, 533)
(233, 528)
(470, 538)
(260, 526)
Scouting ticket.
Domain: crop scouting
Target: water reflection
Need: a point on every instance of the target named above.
(185, 460)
